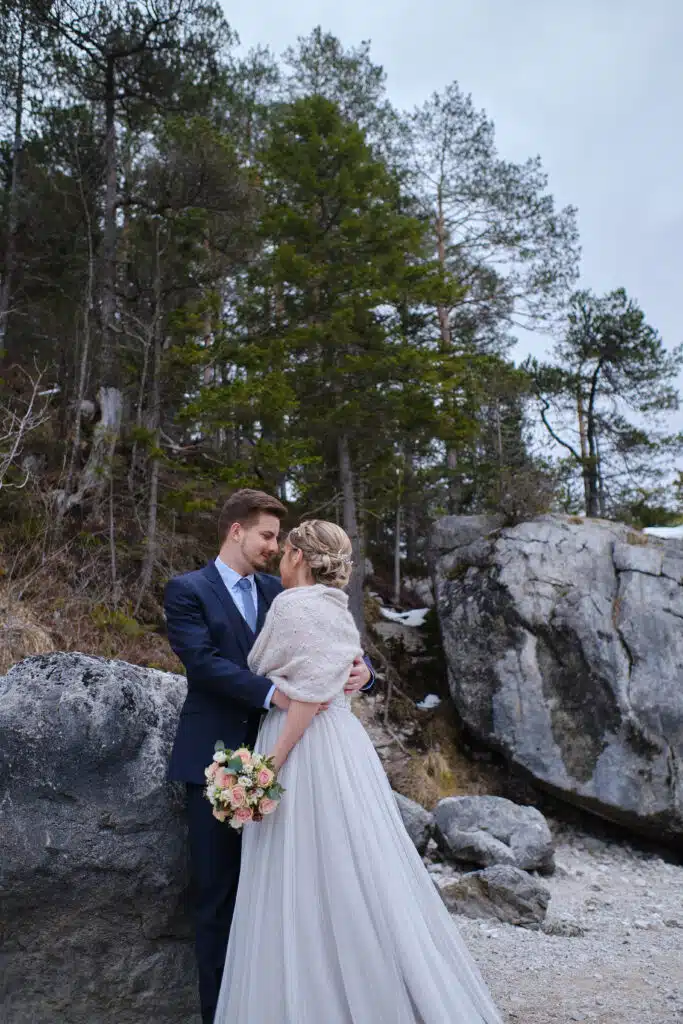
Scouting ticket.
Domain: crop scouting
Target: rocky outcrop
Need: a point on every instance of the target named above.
(419, 823)
(501, 892)
(419, 591)
(488, 830)
(93, 864)
(564, 643)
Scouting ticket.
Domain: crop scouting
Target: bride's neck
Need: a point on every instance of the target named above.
(303, 578)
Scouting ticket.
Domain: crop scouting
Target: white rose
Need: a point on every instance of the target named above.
(258, 793)
(220, 756)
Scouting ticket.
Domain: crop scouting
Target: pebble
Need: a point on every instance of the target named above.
(598, 956)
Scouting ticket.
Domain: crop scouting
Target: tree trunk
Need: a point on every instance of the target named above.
(151, 544)
(13, 213)
(96, 475)
(602, 498)
(104, 440)
(585, 455)
(454, 488)
(108, 369)
(442, 312)
(350, 519)
(63, 496)
(591, 475)
(397, 553)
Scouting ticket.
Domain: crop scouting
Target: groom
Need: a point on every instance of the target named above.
(213, 617)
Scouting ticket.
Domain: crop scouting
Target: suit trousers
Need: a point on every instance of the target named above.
(215, 850)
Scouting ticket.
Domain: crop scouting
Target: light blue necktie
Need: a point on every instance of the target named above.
(248, 601)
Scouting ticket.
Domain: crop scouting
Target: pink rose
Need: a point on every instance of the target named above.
(266, 805)
(244, 755)
(243, 814)
(221, 815)
(265, 777)
(212, 770)
(225, 779)
(237, 796)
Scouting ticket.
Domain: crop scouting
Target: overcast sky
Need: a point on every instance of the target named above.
(595, 87)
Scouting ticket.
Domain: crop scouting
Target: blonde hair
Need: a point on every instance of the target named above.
(326, 549)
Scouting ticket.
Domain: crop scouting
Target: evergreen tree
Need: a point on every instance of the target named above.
(129, 60)
(610, 363)
(320, 310)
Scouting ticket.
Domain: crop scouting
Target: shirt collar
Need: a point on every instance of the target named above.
(229, 576)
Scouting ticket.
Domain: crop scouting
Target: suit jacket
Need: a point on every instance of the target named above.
(224, 699)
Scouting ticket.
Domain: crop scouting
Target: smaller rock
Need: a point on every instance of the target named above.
(502, 892)
(419, 823)
(564, 927)
(489, 830)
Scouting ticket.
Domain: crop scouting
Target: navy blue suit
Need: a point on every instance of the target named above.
(224, 699)
(224, 702)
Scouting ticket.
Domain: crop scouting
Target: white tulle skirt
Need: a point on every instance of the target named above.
(337, 920)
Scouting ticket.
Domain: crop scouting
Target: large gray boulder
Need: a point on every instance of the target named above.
(93, 866)
(502, 892)
(564, 643)
(487, 830)
(419, 823)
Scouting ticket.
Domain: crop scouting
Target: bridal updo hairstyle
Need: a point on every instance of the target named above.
(326, 549)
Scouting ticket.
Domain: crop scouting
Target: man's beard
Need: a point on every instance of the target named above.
(259, 562)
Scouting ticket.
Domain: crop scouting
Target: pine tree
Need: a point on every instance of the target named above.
(610, 363)
(322, 311)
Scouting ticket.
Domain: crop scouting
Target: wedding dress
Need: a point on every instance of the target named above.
(337, 921)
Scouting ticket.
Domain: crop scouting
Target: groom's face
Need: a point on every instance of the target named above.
(259, 541)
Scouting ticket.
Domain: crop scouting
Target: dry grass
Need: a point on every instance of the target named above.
(20, 636)
(637, 539)
(443, 768)
(54, 616)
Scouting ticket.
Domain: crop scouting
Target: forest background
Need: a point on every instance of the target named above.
(221, 269)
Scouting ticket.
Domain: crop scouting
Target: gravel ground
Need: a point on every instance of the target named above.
(612, 948)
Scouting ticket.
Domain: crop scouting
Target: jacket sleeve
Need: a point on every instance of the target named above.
(371, 682)
(207, 670)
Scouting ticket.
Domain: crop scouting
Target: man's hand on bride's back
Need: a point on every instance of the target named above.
(359, 676)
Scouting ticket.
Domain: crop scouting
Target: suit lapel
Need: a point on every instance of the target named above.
(241, 630)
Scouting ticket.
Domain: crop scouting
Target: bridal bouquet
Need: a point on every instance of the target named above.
(241, 786)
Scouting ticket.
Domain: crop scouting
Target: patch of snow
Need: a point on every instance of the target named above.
(667, 532)
(415, 617)
(429, 702)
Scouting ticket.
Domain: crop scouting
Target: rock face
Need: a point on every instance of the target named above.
(419, 590)
(419, 823)
(488, 830)
(501, 892)
(564, 643)
(398, 635)
(93, 862)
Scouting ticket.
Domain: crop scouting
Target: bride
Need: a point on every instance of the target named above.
(337, 920)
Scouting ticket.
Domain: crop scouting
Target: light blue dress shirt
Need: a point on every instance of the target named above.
(231, 580)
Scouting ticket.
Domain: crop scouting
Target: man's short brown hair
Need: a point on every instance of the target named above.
(244, 507)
